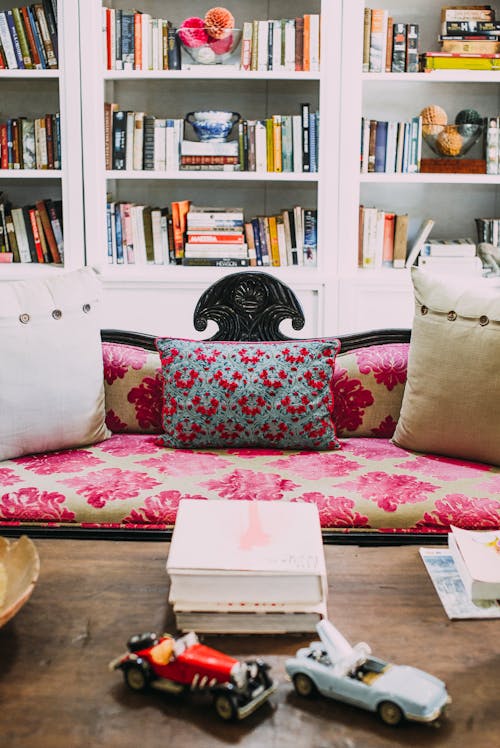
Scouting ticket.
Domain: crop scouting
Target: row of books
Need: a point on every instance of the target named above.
(135, 40)
(31, 143)
(389, 46)
(469, 29)
(182, 233)
(450, 256)
(280, 143)
(32, 233)
(390, 146)
(244, 586)
(291, 44)
(383, 238)
(28, 37)
(488, 230)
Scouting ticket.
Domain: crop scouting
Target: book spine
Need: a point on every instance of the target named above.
(399, 48)
(6, 41)
(380, 146)
(15, 39)
(119, 139)
(299, 43)
(23, 40)
(389, 43)
(492, 146)
(378, 40)
(306, 155)
(45, 35)
(37, 37)
(246, 46)
(221, 262)
(174, 51)
(148, 155)
(367, 24)
(412, 44)
(51, 19)
(33, 49)
(310, 236)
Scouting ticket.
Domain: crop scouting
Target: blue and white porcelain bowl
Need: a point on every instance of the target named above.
(212, 125)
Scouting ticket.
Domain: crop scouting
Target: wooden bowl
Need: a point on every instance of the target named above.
(19, 569)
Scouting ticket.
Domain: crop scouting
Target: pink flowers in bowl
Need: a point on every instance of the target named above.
(211, 39)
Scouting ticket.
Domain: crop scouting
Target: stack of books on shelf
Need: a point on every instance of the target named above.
(32, 233)
(477, 558)
(28, 37)
(215, 237)
(470, 39)
(31, 143)
(209, 155)
(286, 44)
(389, 46)
(390, 146)
(451, 257)
(488, 230)
(265, 573)
(135, 40)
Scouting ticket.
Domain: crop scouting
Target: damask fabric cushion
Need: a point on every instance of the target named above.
(451, 403)
(219, 394)
(51, 377)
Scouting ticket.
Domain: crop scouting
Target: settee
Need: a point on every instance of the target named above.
(368, 490)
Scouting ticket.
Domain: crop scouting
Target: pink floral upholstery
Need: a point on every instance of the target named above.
(130, 481)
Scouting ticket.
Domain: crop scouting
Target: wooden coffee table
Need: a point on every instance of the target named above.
(56, 690)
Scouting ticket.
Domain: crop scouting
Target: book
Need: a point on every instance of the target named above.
(477, 557)
(380, 145)
(400, 240)
(452, 265)
(250, 622)
(449, 248)
(448, 584)
(419, 241)
(412, 42)
(272, 553)
(388, 240)
(367, 23)
(220, 262)
(378, 40)
(474, 45)
(459, 61)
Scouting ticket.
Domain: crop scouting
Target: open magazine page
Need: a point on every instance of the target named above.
(449, 586)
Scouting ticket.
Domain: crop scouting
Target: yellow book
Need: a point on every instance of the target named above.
(277, 155)
(273, 236)
(269, 143)
(459, 62)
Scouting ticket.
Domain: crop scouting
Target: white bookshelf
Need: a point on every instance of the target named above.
(33, 93)
(168, 293)
(453, 200)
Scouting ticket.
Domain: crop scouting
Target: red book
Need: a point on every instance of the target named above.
(137, 42)
(36, 235)
(47, 230)
(195, 237)
(49, 135)
(30, 37)
(4, 153)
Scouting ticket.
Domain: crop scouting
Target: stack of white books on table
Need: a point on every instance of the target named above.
(477, 559)
(247, 567)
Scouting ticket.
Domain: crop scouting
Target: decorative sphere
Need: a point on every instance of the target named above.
(218, 22)
(468, 119)
(434, 118)
(449, 142)
(192, 32)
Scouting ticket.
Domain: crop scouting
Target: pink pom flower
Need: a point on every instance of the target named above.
(192, 32)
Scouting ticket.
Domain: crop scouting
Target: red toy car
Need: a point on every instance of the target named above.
(175, 665)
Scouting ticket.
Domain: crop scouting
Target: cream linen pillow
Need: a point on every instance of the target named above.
(51, 372)
(451, 402)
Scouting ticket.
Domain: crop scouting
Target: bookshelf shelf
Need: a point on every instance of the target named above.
(207, 72)
(380, 178)
(213, 176)
(44, 174)
(435, 76)
(30, 74)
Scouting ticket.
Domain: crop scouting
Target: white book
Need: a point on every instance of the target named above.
(21, 235)
(147, 43)
(379, 239)
(138, 140)
(390, 154)
(492, 146)
(369, 237)
(419, 241)
(157, 241)
(155, 45)
(209, 148)
(262, 44)
(244, 622)
(290, 44)
(452, 265)
(314, 42)
(477, 557)
(260, 146)
(112, 37)
(297, 136)
(160, 145)
(275, 30)
(298, 215)
(138, 234)
(449, 248)
(272, 551)
(6, 40)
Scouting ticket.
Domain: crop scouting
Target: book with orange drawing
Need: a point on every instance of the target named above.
(260, 553)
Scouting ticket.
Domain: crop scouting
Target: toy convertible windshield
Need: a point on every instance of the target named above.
(174, 665)
(335, 669)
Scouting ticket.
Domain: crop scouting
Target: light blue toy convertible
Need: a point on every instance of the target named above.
(337, 670)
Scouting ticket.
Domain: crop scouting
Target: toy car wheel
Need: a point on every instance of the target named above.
(136, 677)
(390, 713)
(304, 685)
(224, 706)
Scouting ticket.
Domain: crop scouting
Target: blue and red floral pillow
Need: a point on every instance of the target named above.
(225, 394)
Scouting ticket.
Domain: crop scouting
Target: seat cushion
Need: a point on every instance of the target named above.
(129, 481)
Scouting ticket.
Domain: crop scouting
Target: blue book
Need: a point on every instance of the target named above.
(256, 240)
(313, 139)
(15, 40)
(310, 236)
(109, 231)
(380, 146)
(36, 35)
(127, 51)
(119, 236)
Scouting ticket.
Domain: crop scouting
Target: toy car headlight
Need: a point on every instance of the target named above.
(239, 674)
